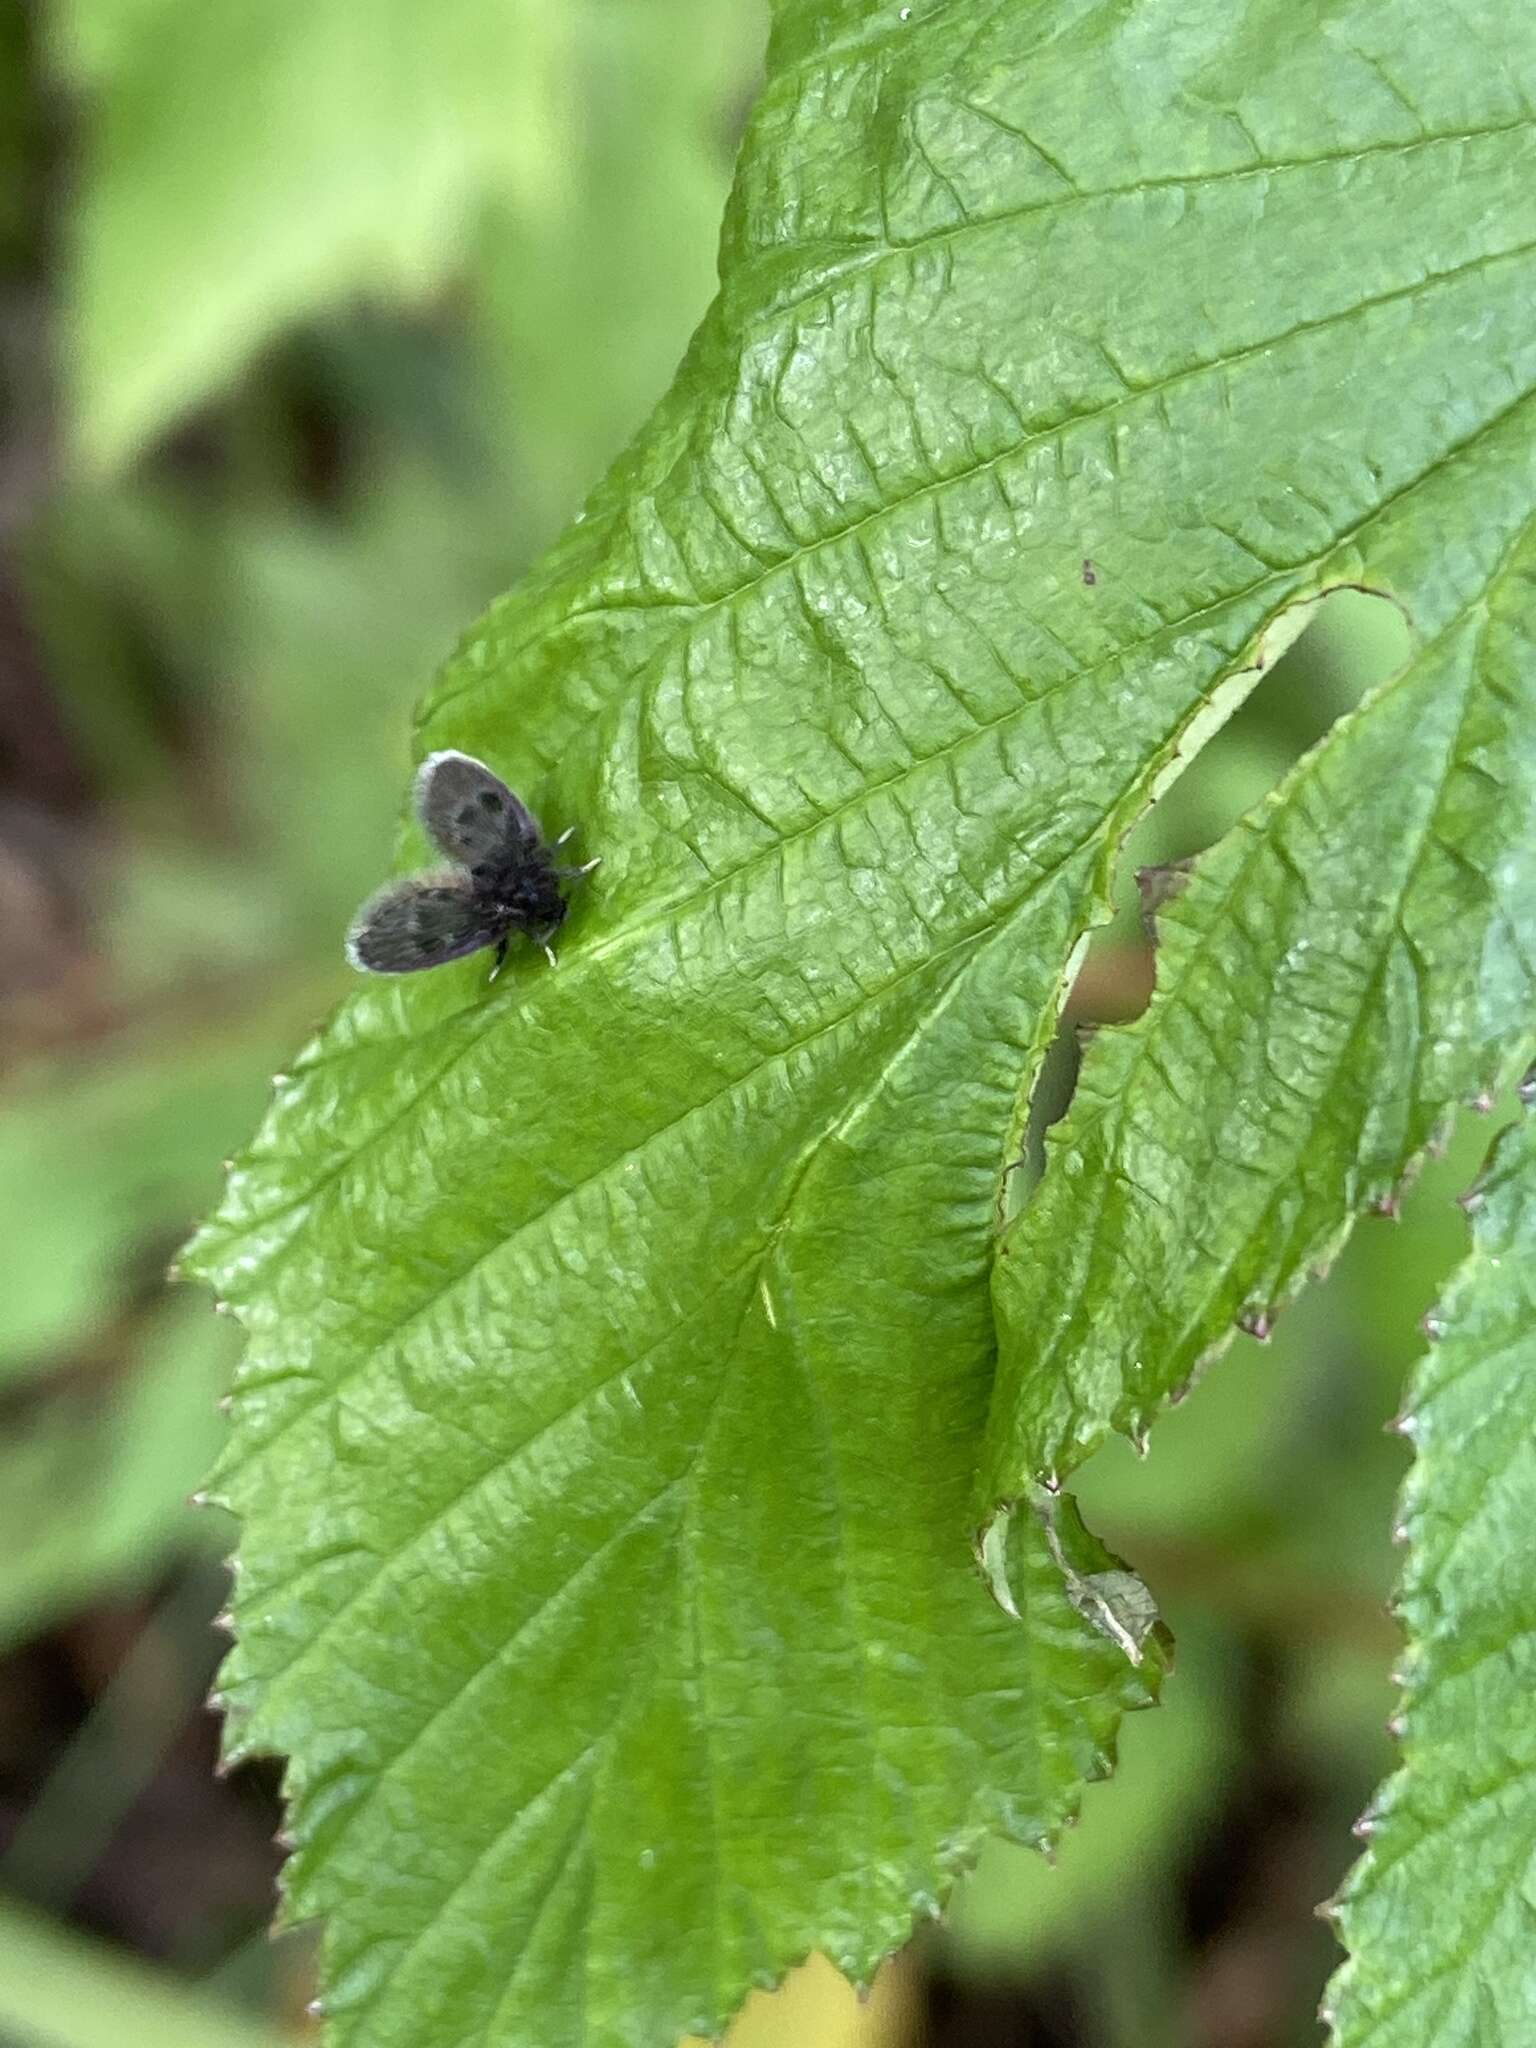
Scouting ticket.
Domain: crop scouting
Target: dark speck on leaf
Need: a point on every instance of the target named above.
(1090, 574)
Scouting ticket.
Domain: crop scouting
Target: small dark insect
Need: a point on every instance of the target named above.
(503, 878)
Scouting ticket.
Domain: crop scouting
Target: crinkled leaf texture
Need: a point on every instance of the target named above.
(621, 1339)
(1440, 1915)
(1352, 962)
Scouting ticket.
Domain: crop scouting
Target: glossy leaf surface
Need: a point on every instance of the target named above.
(621, 1336)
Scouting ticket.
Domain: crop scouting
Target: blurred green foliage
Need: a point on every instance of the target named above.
(60, 1991)
(94, 1490)
(341, 313)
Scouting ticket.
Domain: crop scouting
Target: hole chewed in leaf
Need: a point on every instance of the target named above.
(1309, 667)
(1313, 664)
(1103, 1589)
(1343, 969)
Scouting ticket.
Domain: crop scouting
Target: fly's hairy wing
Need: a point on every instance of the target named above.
(421, 922)
(470, 814)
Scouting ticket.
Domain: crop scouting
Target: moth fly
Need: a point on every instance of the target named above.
(501, 879)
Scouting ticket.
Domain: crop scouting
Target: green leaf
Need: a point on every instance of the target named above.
(1015, 1911)
(621, 1337)
(1347, 967)
(1438, 1914)
(256, 162)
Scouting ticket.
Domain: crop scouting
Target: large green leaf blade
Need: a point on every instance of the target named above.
(620, 1336)
(1438, 1915)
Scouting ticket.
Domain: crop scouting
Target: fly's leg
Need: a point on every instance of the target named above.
(501, 954)
(579, 874)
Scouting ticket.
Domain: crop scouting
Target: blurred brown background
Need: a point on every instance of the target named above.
(301, 358)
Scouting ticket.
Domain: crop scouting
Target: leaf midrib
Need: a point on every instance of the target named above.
(271, 1679)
